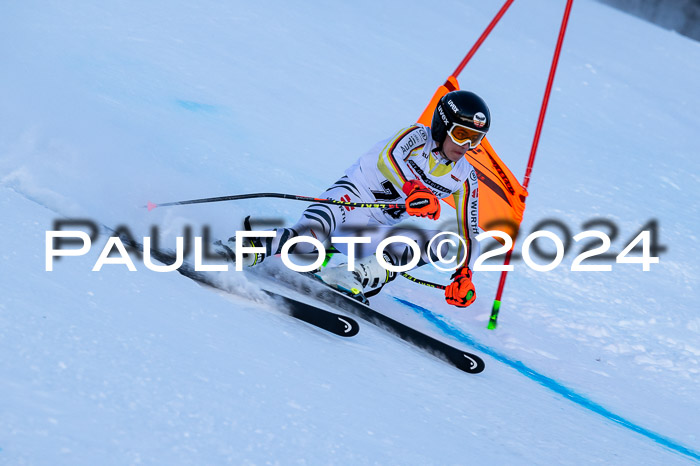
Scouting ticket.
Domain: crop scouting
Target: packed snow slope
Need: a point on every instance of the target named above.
(107, 106)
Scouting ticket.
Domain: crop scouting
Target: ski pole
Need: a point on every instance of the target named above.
(423, 282)
(430, 284)
(150, 206)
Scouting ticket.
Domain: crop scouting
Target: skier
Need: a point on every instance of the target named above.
(418, 166)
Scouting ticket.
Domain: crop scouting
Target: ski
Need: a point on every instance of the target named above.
(332, 322)
(463, 360)
(337, 323)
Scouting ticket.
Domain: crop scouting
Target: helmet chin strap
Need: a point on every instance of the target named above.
(439, 147)
(442, 154)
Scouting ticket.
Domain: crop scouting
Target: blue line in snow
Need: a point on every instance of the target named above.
(196, 106)
(547, 382)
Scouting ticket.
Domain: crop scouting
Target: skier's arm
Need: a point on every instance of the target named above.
(467, 206)
(392, 163)
(392, 158)
(461, 291)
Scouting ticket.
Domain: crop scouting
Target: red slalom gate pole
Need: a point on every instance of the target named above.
(483, 37)
(533, 151)
(545, 101)
(450, 83)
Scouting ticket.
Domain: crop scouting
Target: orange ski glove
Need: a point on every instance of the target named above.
(421, 202)
(461, 291)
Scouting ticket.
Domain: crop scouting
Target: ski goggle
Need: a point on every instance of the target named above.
(461, 135)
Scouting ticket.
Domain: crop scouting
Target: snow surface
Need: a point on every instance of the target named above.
(107, 106)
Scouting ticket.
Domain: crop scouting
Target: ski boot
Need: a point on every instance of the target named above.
(365, 281)
(227, 249)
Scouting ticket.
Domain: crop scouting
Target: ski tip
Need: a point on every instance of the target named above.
(150, 206)
(350, 326)
(471, 363)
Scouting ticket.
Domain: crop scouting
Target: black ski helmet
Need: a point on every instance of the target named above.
(461, 107)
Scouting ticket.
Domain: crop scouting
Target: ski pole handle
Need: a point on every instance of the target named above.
(150, 206)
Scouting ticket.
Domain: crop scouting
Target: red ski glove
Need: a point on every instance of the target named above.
(421, 202)
(461, 291)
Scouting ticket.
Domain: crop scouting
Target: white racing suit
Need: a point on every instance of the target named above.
(378, 176)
